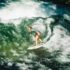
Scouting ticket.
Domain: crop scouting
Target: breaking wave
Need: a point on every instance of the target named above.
(52, 20)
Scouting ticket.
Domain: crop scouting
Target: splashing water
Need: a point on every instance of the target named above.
(43, 14)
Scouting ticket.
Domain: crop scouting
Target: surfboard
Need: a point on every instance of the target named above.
(35, 47)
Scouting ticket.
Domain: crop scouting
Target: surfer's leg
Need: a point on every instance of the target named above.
(36, 42)
(37, 39)
(40, 40)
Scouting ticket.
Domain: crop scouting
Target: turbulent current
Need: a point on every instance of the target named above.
(53, 21)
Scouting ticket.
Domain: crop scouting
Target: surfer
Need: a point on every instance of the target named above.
(37, 35)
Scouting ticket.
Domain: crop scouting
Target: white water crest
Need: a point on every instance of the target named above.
(21, 9)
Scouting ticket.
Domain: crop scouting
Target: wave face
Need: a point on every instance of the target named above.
(51, 20)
